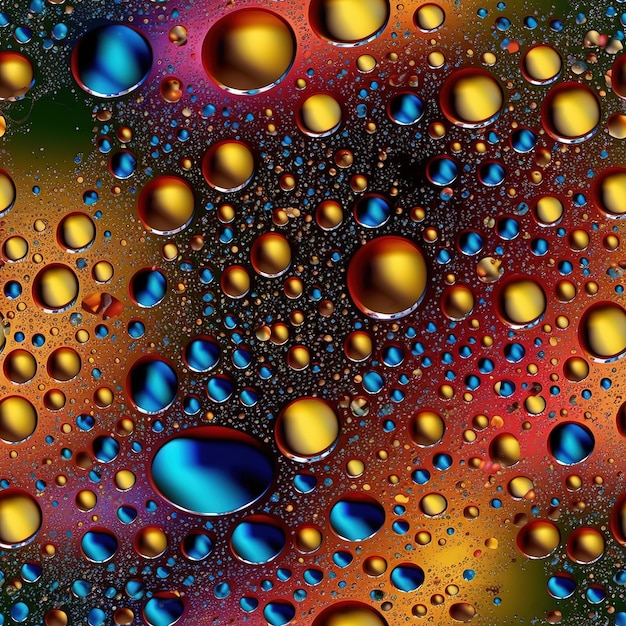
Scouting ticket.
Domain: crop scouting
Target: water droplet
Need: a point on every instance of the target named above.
(570, 113)
(356, 518)
(429, 17)
(197, 546)
(55, 288)
(16, 75)
(407, 577)
(585, 545)
(18, 419)
(602, 331)
(561, 585)
(152, 385)
(471, 98)
(427, 428)
(165, 608)
(348, 22)
(64, 364)
(19, 366)
(228, 166)
(235, 281)
(349, 613)
(307, 429)
(570, 443)
(257, 540)
(20, 518)
(14, 246)
(618, 76)
(433, 504)
(218, 471)
(319, 115)
(111, 60)
(150, 542)
(76, 232)
(249, 51)
(541, 64)
(270, 255)
(148, 287)
(522, 302)
(538, 539)
(387, 277)
(99, 545)
(457, 302)
(201, 354)
(166, 205)
(609, 191)
(462, 612)
(505, 450)
(618, 520)
(405, 109)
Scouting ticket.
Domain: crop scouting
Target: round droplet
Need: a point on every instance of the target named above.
(520, 487)
(471, 98)
(150, 542)
(541, 64)
(356, 518)
(609, 192)
(387, 277)
(148, 287)
(505, 450)
(570, 113)
(197, 546)
(201, 354)
(427, 428)
(375, 566)
(570, 443)
(257, 540)
(278, 613)
(457, 302)
(270, 255)
(602, 331)
(228, 166)
(164, 608)
(16, 75)
(618, 76)
(405, 109)
(538, 539)
(433, 504)
(348, 22)
(442, 171)
(349, 613)
(522, 302)
(55, 288)
(585, 545)
(19, 366)
(13, 247)
(561, 585)
(248, 51)
(111, 60)
(462, 612)
(307, 429)
(20, 518)
(152, 385)
(18, 419)
(235, 281)
(56, 617)
(372, 210)
(618, 520)
(358, 346)
(166, 205)
(407, 577)
(549, 210)
(319, 115)
(217, 471)
(99, 545)
(64, 364)
(76, 232)
(328, 214)
(429, 17)
(171, 89)
(86, 500)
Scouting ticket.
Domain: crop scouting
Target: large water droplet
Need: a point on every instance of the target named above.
(570, 112)
(152, 385)
(211, 471)
(165, 608)
(55, 288)
(20, 518)
(602, 331)
(257, 540)
(538, 539)
(355, 518)
(99, 545)
(16, 75)
(570, 443)
(166, 205)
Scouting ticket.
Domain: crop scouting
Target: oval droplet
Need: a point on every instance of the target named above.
(16, 75)
(407, 577)
(257, 540)
(609, 192)
(585, 545)
(249, 51)
(356, 518)
(349, 613)
(427, 428)
(19, 366)
(55, 288)
(111, 60)
(217, 471)
(457, 302)
(99, 545)
(164, 608)
(20, 518)
(387, 277)
(570, 443)
(348, 22)
(18, 419)
(228, 166)
(541, 64)
(433, 504)
(602, 331)
(570, 113)
(618, 520)
(64, 364)
(166, 205)
(152, 385)
(319, 115)
(561, 585)
(462, 612)
(505, 450)
(201, 354)
(538, 539)
(148, 287)
(471, 98)
(307, 429)
(429, 17)
(76, 232)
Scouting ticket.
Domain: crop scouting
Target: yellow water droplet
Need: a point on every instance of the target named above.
(535, 405)
(16, 75)
(228, 166)
(457, 302)
(570, 112)
(86, 500)
(358, 346)
(19, 366)
(320, 115)
(522, 302)
(541, 64)
(8, 195)
(348, 22)
(151, 542)
(387, 277)
(18, 419)
(505, 450)
(549, 210)
(609, 192)
(355, 468)
(102, 272)
(375, 566)
(462, 612)
(249, 51)
(14, 248)
(166, 205)
(76, 232)
(307, 429)
(538, 539)
(576, 369)
(366, 63)
(471, 98)
(429, 17)
(308, 539)
(427, 428)
(270, 255)
(585, 545)
(125, 480)
(20, 518)
(433, 504)
(235, 281)
(328, 215)
(602, 331)
(519, 487)
(55, 288)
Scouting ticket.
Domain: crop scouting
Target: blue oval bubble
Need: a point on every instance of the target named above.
(561, 585)
(372, 210)
(491, 174)
(523, 140)
(122, 164)
(152, 385)
(356, 518)
(105, 448)
(201, 354)
(405, 109)
(212, 470)
(279, 613)
(197, 546)
(442, 171)
(570, 443)
(111, 60)
(148, 287)
(164, 609)
(257, 540)
(99, 545)
(407, 577)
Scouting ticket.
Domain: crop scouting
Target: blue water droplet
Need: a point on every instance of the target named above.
(148, 287)
(164, 609)
(561, 585)
(257, 540)
(201, 354)
(99, 545)
(570, 443)
(407, 577)
(152, 385)
(372, 210)
(356, 518)
(405, 109)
